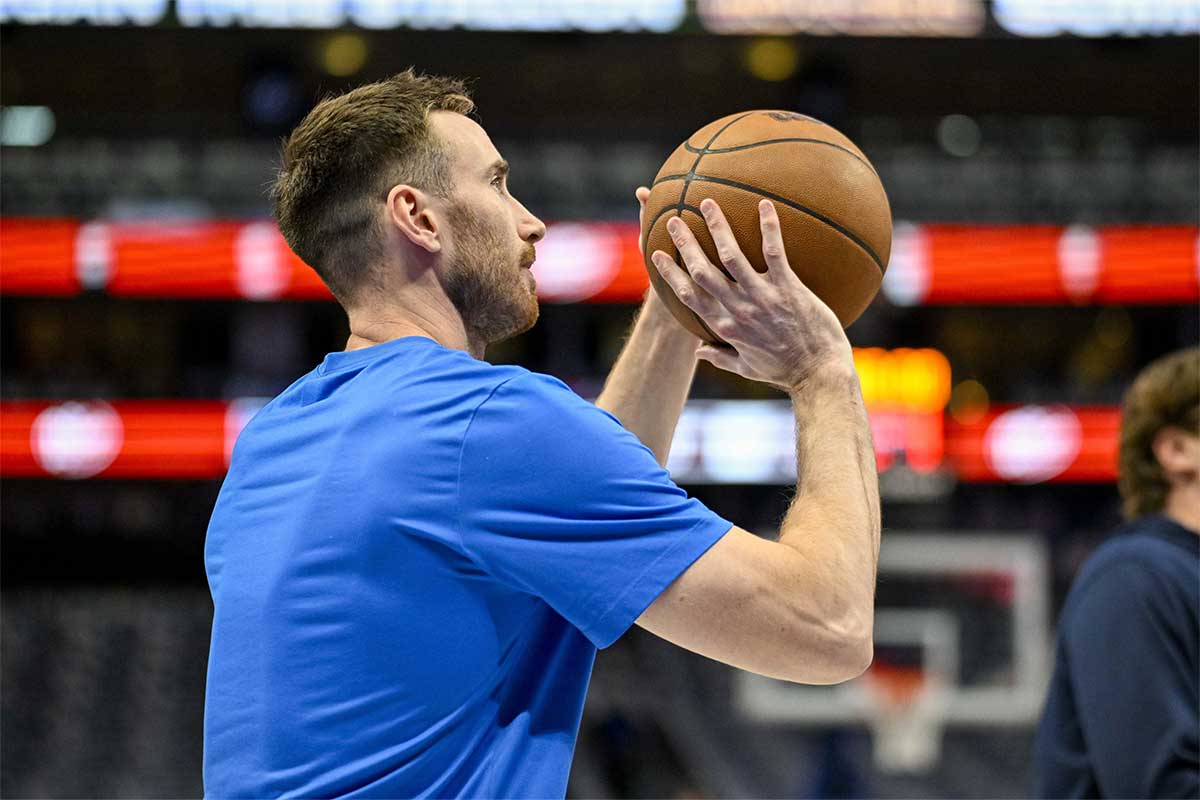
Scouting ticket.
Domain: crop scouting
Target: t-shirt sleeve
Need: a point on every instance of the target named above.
(1132, 681)
(557, 499)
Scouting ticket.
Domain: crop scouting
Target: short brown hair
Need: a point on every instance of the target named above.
(1165, 394)
(343, 158)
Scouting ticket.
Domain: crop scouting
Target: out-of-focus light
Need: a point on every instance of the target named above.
(924, 380)
(1032, 444)
(272, 99)
(1112, 17)
(343, 54)
(959, 135)
(772, 59)
(77, 439)
(1079, 260)
(96, 12)
(26, 126)
(915, 381)
(575, 261)
(261, 270)
(927, 18)
(969, 402)
(907, 279)
(586, 15)
(1113, 327)
(747, 442)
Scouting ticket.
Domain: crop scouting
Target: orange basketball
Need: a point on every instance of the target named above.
(833, 211)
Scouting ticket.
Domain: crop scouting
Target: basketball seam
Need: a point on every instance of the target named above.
(687, 179)
(849, 234)
(715, 150)
(659, 215)
(666, 178)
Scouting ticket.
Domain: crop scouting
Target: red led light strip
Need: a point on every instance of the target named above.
(188, 439)
(600, 262)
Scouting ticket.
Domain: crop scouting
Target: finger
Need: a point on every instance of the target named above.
(697, 263)
(772, 242)
(728, 250)
(725, 358)
(691, 295)
(642, 194)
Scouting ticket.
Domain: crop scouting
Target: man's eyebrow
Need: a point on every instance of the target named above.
(499, 167)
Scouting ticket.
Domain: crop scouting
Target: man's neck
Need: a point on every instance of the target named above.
(1183, 506)
(374, 325)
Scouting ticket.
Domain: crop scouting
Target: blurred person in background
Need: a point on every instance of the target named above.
(416, 554)
(1122, 718)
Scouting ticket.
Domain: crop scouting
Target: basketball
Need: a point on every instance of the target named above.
(833, 211)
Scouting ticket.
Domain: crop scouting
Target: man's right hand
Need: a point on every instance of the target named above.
(779, 332)
(799, 608)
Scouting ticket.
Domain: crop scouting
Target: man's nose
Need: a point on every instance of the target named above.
(536, 230)
(530, 228)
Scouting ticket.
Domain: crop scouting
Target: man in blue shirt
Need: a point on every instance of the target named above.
(416, 554)
(1122, 718)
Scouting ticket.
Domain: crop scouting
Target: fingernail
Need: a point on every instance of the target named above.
(673, 224)
(707, 206)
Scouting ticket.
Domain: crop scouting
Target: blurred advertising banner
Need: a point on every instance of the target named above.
(722, 442)
(600, 262)
(958, 18)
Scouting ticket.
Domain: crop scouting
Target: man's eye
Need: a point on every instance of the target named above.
(498, 181)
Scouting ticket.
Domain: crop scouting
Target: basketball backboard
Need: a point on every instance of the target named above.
(966, 614)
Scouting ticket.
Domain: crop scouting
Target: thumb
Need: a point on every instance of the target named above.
(642, 194)
(725, 358)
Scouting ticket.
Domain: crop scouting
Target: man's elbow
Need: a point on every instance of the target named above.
(845, 652)
(858, 656)
(852, 655)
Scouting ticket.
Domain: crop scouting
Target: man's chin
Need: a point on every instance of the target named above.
(520, 323)
(531, 318)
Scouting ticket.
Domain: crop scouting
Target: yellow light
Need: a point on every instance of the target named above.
(344, 54)
(916, 381)
(923, 379)
(772, 59)
(867, 361)
(969, 402)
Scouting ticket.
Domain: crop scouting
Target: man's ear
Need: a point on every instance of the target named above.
(1176, 452)
(410, 211)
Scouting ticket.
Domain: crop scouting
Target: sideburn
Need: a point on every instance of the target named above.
(480, 281)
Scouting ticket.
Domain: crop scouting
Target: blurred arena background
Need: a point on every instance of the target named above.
(1041, 160)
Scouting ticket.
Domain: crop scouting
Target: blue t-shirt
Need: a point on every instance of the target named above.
(1122, 716)
(413, 559)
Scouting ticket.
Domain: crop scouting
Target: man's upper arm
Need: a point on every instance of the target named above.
(1130, 683)
(737, 604)
(557, 500)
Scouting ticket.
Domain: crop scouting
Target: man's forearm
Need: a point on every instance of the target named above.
(834, 520)
(649, 384)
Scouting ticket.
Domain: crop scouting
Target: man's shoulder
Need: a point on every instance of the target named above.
(1135, 562)
(1140, 542)
(522, 400)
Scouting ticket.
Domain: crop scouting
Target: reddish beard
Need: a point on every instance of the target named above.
(486, 282)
